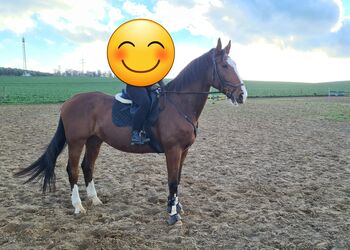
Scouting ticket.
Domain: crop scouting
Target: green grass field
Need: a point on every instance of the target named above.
(283, 89)
(53, 89)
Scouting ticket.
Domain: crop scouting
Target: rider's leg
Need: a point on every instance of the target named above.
(140, 98)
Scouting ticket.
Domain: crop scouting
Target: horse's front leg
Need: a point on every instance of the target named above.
(173, 160)
(183, 157)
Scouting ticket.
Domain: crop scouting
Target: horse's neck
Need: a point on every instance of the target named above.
(196, 102)
(193, 104)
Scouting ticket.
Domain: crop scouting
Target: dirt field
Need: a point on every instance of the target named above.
(273, 174)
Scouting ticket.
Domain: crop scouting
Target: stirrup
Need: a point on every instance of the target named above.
(139, 138)
(136, 138)
(144, 138)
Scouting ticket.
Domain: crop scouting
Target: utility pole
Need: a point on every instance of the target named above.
(82, 65)
(24, 56)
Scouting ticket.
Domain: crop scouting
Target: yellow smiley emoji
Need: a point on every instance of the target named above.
(140, 52)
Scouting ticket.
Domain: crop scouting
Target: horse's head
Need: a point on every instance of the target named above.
(225, 75)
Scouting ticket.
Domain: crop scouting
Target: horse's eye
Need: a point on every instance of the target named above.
(225, 66)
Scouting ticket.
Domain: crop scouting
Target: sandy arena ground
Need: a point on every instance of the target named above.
(273, 174)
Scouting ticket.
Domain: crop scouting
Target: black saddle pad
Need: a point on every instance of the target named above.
(122, 115)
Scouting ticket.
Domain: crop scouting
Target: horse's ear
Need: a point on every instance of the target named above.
(218, 47)
(228, 47)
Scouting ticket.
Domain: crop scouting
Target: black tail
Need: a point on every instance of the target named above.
(44, 167)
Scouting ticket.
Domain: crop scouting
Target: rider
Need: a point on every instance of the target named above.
(141, 97)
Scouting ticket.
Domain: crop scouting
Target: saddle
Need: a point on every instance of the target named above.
(123, 111)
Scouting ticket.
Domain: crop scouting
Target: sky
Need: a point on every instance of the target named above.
(272, 40)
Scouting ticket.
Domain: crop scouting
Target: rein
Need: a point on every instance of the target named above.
(162, 91)
(187, 118)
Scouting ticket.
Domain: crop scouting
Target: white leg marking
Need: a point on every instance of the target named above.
(173, 208)
(76, 202)
(92, 195)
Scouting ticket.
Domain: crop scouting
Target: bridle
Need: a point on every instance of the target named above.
(223, 84)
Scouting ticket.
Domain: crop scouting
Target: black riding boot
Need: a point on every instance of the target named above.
(138, 138)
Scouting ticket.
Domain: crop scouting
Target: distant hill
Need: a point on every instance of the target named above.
(21, 72)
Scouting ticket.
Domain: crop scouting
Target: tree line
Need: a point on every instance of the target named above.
(69, 72)
(21, 72)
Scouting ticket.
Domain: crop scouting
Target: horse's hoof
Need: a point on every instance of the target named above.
(79, 209)
(96, 201)
(179, 208)
(174, 218)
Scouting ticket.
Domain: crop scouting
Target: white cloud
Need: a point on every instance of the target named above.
(17, 15)
(313, 24)
(95, 57)
(265, 61)
(83, 20)
(18, 24)
(272, 40)
(94, 54)
(175, 17)
(257, 61)
(184, 54)
(136, 9)
(268, 53)
(79, 20)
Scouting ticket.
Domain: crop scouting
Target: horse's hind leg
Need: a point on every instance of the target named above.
(93, 146)
(74, 152)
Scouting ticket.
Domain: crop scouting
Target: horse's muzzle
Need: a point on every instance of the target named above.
(240, 98)
(237, 99)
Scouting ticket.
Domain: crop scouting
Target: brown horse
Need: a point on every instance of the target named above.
(86, 120)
